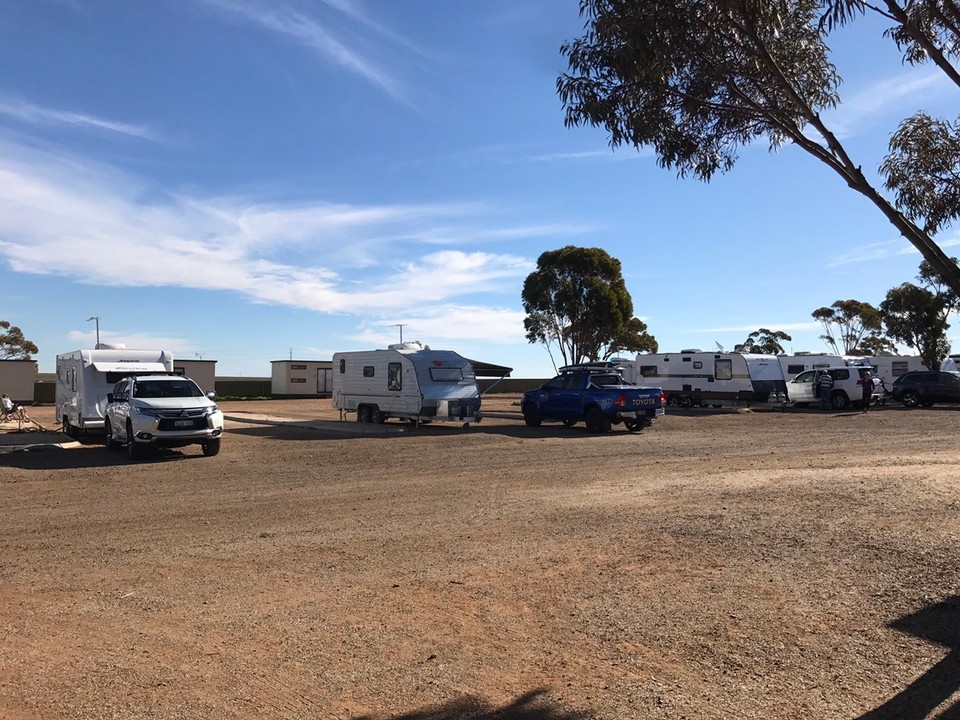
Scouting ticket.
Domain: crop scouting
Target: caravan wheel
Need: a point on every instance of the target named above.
(376, 416)
(363, 414)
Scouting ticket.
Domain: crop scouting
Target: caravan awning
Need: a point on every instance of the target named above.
(130, 367)
(489, 370)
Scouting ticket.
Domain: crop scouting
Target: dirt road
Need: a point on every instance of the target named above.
(725, 565)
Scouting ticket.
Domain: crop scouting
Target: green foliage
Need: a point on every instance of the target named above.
(852, 327)
(697, 79)
(577, 299)
(763, 341)
(13, 345)
(917, 315)
(923, 169)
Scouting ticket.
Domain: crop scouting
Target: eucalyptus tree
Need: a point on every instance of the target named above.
(13, 345)
(852, 327)
(763, 341)
(578, 300)
(916, 315)
(698, 79)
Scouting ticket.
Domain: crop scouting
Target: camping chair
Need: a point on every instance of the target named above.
(6, 415)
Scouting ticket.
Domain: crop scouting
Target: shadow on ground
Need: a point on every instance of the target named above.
(940, 624)
(529, 706)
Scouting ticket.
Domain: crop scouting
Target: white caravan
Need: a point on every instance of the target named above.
(695, 377)
(84, 377)
(889, 367)
(406, 381)
(793, 365)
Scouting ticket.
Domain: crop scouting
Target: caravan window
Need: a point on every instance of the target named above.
(794, 369)
(368, 371)
(723, 369)
(697, 365)
(394, 377)
(343, 366)
(446, 374)
(648, 371)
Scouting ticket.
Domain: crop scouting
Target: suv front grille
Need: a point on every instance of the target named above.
(190, 419)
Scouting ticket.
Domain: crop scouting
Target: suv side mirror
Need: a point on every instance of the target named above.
(212, 395)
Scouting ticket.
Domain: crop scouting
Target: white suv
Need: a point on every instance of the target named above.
(846, 389)
(161, 411)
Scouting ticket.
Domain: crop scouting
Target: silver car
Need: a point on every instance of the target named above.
(162, 411)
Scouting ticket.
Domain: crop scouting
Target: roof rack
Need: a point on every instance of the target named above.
(603, 366)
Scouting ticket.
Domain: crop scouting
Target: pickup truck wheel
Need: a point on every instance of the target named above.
(111, 443)
(531, 416)
(211, 447)
(569, 423)
(597, 422)
(634, 425)
(839, 400)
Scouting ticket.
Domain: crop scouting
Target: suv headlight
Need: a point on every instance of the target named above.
(149, 412)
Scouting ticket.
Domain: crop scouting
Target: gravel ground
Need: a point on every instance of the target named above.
(717, 565)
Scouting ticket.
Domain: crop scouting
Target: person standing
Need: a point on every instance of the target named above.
(867, 385)
(825, 382)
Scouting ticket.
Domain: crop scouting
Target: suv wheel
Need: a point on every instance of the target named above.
(211, 447)
(839, 400)
(910, 399)
(135, 450)
(111, 443)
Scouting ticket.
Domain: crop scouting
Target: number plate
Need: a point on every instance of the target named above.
(183, 423)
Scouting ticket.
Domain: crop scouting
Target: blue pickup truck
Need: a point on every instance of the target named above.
(596, 394)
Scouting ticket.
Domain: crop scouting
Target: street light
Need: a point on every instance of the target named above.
(97, 318)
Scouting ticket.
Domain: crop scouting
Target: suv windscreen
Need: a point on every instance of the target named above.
(165, 389)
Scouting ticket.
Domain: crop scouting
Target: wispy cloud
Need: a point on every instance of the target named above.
(102, 231)
(873, 252)
(461, 323)
(893, 97)
(314, 34)
(32, 114)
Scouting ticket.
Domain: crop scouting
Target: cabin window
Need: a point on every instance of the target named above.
(697, 365)
(343, 366)
(723, 369)
(394, 377)
(298, 380)
(369, 371)
(648, 371)
(446, 374)
(298, 367)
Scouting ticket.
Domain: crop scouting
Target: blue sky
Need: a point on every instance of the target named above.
(253, 180)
